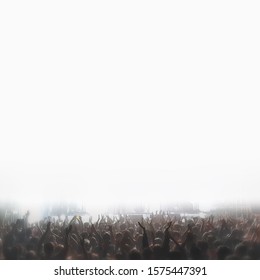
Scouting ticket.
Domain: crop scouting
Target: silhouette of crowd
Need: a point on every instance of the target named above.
(158, 236)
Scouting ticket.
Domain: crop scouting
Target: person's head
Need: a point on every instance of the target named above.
(210, 239)
(175, 255)
(122, 226)
(223, 252)
(48, 249)
(195, 253)
(118, 238)
(158, 241)
(159, 234)
(134, 254)
(176, 235)
(157, 252)
(33, 243)
(106, 238)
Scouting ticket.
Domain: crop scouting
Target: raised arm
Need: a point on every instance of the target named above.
(43, 237)
(166, 241)
(145, 237)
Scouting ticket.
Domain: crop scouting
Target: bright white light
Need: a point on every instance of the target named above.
(112, 104)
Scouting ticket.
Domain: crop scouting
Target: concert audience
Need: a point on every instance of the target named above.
(159, 236)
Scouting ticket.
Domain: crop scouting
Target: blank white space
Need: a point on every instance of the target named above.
(214, 268)
(105, 102)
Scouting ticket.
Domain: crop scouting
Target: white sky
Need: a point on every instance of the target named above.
(144, 101)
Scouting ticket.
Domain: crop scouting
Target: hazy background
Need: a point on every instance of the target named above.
(129, 101)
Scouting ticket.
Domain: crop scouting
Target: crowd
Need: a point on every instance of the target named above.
(158, 236)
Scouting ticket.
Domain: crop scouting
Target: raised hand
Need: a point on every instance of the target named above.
(168, 226)
(141, 225)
